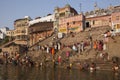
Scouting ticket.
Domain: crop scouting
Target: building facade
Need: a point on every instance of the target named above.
(98, 21)
(21, 30)
(116, 21)
(71, 24)
(40, 31)
(13, 49)
(63, 13)
(11, 34)
(102, 17)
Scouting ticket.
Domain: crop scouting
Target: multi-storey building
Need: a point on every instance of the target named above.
(21, 30)
(64, 20)
(63, 13)
(40, 28)
(102, 17)
(40, 31)
(71, 24)
(98, 17)
(116, 21)
(11, 34)
(98, 21)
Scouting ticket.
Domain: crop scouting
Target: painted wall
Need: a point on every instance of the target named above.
(71, 24)
(99, 21)
(116, 21)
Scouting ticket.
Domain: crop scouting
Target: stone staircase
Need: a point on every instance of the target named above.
(44, 41)
(104, 65)
(88, 53)
(97, 33)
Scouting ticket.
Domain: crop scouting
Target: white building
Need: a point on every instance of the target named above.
(47, 18)
(3, 32)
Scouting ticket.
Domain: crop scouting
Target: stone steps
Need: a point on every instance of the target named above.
(105, 66)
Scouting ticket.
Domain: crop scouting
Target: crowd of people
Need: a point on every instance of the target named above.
(53, 48)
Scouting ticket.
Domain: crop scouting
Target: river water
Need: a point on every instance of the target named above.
(29, 73)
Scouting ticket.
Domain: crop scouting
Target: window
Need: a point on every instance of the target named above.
(73, 22)
(109, 19)
(67, 24)
(117, 17)
(23, 31)
(62, 14)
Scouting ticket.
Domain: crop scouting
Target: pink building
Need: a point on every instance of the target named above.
(116, 21)
(98, 21)
(71, 24)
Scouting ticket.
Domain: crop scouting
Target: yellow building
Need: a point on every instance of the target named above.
(63, 12)
(21, 30)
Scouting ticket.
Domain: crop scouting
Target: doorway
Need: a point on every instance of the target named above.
(87, 25)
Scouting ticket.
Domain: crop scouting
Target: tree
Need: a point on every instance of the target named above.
(5, 40)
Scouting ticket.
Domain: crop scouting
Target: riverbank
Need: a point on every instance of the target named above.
(74, 50)
(82, 65)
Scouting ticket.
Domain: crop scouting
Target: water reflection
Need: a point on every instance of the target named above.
(27, 73)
